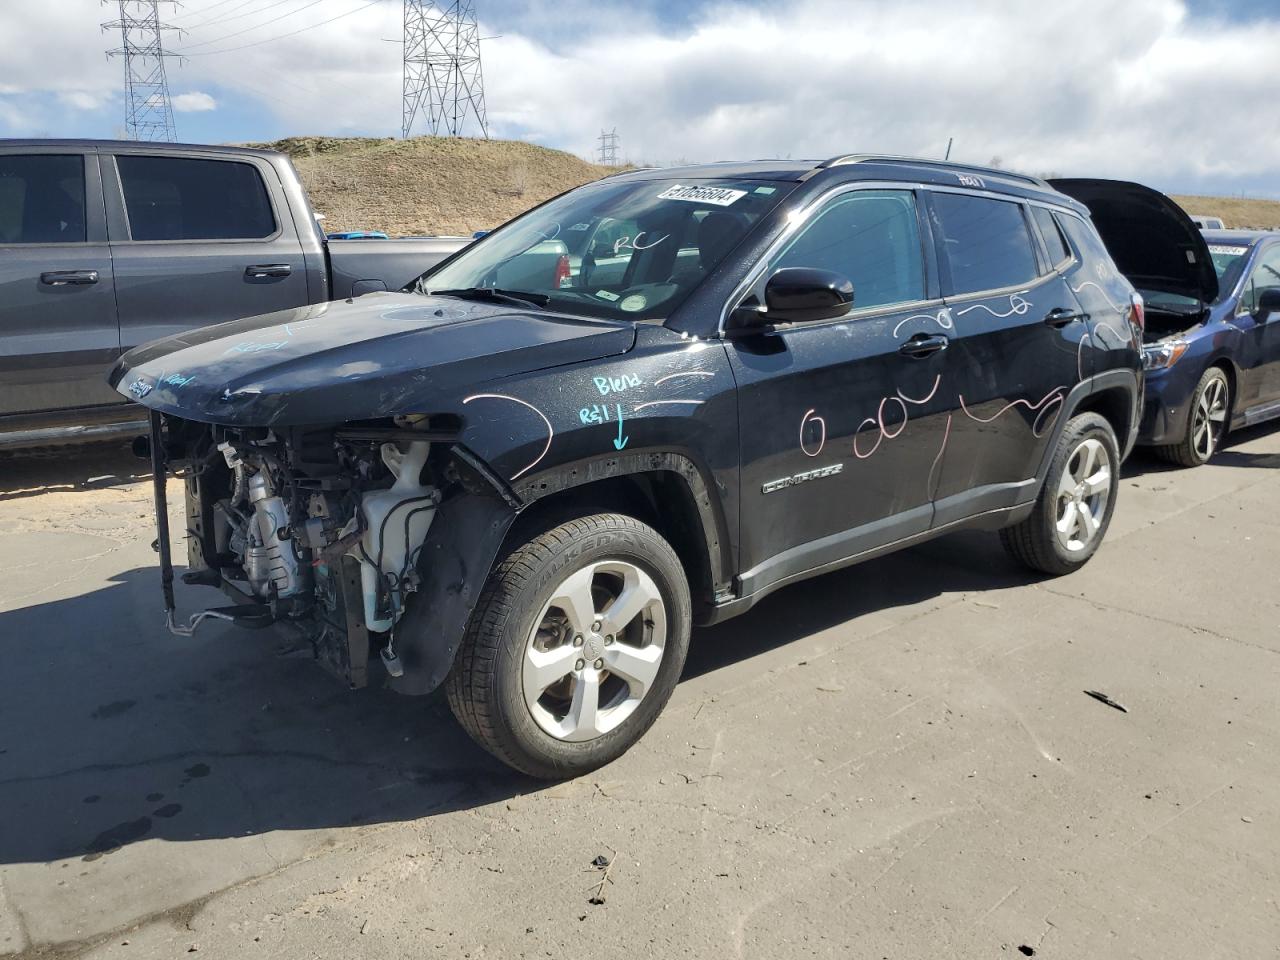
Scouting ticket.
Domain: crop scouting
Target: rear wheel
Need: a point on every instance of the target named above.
(1206, 422)
(1074, 509)
(574, 647)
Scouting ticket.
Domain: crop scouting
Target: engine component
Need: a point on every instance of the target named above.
(396, 524)
(270, 561)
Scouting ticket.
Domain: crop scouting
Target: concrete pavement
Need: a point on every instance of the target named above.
(897, 760)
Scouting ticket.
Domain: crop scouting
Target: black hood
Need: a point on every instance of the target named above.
(375, 356)
(1152, 240)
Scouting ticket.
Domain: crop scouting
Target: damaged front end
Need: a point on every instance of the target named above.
(335, 533)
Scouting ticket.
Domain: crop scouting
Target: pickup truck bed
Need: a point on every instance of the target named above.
(105, 245)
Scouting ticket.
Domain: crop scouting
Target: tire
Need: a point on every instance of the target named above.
(532, 620)
(1075, 495)
(1209, 412)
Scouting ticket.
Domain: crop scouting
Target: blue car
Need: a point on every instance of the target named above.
(1215, 366)
(1211, 346)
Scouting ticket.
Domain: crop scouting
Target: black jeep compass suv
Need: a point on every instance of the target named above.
(644, 404)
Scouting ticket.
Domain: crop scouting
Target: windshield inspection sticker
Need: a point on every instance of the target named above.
(720, 196)
(634, 302)
(1227, 251)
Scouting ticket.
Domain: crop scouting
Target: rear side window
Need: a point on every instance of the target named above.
(1088, 244)
(176, 198)
(1052, 234)
(986, 242)
(42, 199)
(870, 236)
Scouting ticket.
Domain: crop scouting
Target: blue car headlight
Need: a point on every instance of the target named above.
(1158, 356)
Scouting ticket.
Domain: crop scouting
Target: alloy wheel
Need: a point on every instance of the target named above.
(595, 652)
(1210, 418)
(1083, 492)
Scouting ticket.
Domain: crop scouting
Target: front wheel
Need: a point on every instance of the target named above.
(1206, 422)
(574, 647)
(1074, 509)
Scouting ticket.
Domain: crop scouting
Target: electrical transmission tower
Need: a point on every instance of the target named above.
(608, 152)
(148, 111)
(442, 75)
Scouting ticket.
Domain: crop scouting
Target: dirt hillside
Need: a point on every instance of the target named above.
(1235, 211)
(446, 185)
(434, 185)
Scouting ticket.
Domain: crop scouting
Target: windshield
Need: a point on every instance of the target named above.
(630, 249)
(1228, 261)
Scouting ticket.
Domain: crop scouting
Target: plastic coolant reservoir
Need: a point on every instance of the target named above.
(407, 499)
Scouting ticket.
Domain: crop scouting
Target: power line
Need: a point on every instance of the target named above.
(219, 20)
(442, 73)
(256, 26)
(212, 6)
(148, 109)
(282, 36)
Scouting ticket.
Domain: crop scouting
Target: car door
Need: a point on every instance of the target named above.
(198, 239)
(1016, 353)
(58, 332)
(1265, 329)
(842, 421)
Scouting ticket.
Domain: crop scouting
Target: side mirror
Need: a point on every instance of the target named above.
(798, 294)
(1268, 303)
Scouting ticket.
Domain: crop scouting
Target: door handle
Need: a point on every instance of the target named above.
(923, 345)
(67, 278)
(262, 271)
(1061, 316)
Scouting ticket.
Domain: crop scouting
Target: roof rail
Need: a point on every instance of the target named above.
(846, 159)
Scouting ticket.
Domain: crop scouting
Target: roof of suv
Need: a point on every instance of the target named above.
(864, 167)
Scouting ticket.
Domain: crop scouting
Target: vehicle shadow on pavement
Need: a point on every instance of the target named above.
(958, 563)
(1144, 461)
(69, 469)
(113, 732)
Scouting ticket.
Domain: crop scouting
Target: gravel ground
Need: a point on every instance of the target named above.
(898, 760)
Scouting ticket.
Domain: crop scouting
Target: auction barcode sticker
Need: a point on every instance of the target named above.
(1225, 251)
(720, 196)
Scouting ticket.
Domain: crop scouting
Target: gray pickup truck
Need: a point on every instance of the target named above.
(105, 245)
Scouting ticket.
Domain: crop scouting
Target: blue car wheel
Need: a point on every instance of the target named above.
(1206, 422)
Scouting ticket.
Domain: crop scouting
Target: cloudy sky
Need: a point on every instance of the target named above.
(1180, 94)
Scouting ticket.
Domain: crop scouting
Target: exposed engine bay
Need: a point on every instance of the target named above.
(321, 529)
(1164, 322)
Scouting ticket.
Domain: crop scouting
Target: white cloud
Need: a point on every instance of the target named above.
(1136, 89)
(193, 102)
(81, 99)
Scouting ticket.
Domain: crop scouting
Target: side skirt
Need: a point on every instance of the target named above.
(988, 520)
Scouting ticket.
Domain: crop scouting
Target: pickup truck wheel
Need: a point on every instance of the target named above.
(1206, 422)
(574, 648)
(1074, 509)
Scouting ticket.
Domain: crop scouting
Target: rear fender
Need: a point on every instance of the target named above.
(1124, 381)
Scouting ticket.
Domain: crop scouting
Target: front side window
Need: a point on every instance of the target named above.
(179, 198)
(1265, 276)
(872, 237)
(42, 198)
(985, 241)
(625, 249)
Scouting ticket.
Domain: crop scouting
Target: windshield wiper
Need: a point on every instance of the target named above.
(518, 297)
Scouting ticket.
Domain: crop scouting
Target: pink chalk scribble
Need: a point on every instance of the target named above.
(822, 441)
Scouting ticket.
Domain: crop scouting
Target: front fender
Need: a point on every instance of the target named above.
(461, 547)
